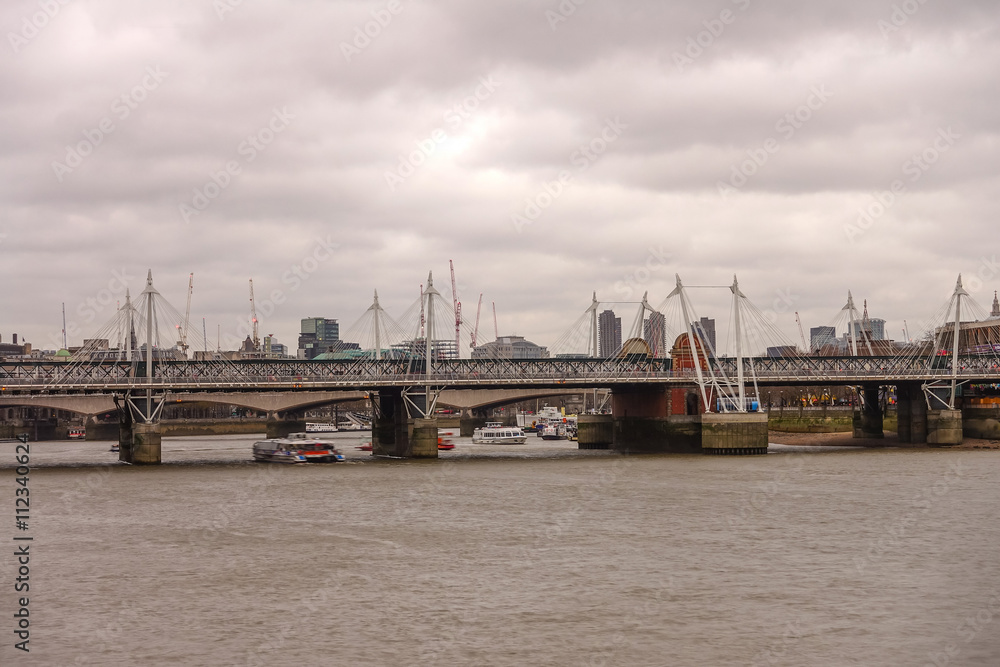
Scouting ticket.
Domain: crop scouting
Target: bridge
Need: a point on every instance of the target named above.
(691, 399)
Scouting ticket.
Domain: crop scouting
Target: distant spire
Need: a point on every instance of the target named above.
(996, 306)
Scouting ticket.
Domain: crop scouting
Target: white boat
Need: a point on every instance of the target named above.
(495, 433)
(320, 427)
(277, 450)
(553, 431)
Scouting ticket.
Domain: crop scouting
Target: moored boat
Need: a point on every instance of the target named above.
(77, 433)
(553, 431)
(495, 433)
(320, 427)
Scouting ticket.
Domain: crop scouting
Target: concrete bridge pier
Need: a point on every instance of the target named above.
(389, 432)
(470, 421)
(397, 435)
(139, 443)
(868, 420)
(594, 431)
(641, 422)
(944, 427)
(280, 425)
(911, 413)
(734, 433)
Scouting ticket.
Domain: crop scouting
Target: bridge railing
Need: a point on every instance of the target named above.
(363, 374)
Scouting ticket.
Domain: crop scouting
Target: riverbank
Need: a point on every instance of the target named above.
(846, 439)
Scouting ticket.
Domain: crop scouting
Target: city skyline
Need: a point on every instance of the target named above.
(166, 138)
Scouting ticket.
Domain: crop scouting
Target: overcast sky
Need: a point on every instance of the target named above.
(550, 149)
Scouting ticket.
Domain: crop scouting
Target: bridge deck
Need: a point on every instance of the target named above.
(371, 375)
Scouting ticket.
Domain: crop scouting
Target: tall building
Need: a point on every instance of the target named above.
(654, 331)
(609, 333)
(316, 335)
(819, 337)
(874, 327)
(510, 347)
(706, 328)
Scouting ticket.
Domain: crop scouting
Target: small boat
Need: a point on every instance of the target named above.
(77, 433)
(367, 447)
(115, 448)
(553, 431)
(445, 444)
(495, 433)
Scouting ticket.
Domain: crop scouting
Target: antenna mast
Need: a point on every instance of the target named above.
(458, 311)
(253, 319)
(475, 332)
(805, 347)
(182, 343)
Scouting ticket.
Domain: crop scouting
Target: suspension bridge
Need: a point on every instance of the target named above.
(685, 398)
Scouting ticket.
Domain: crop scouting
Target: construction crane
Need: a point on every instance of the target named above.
(204, 333)
(906, 332)
(496, 329)
(805, 347)
(182, 339)
(253, 319)
(65, 344)
(475, 332)
(458, 310)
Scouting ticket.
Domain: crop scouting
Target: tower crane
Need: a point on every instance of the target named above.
(496, 329)
(253, 319)
(182, 342)
(475, 332)
(805, 347)
(458, 310)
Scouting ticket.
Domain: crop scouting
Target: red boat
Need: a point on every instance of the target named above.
(445, 444)
(367, 447)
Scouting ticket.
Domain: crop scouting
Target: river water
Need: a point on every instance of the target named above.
(532, 555)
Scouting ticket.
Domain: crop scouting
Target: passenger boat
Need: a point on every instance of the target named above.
(315, 449)
(296, 448)
(445, 444)
(495, 433)
(277, 450)
(77, 433)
